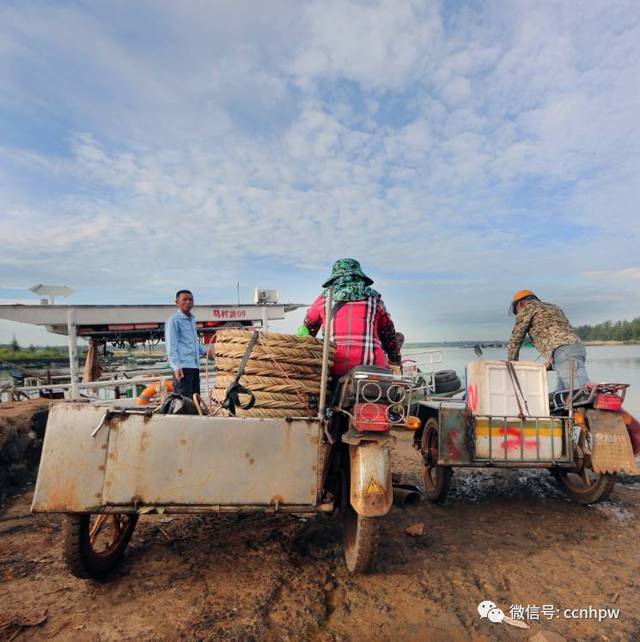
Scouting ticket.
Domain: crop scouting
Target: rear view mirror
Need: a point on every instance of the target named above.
(478, 350)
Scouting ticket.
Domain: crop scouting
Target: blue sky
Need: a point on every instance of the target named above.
(460, 150)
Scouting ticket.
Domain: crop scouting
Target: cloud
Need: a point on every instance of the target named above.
(211, 143)
(359, 42)
(632, 273)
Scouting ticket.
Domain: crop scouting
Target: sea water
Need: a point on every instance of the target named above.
(607, 363)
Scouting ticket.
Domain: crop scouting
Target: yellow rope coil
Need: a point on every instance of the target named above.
(284, 356)
(270, 339)
(267, 413)
(295, 371)
(269, 399)
(225, 349)
(283, 372)
(270, 384)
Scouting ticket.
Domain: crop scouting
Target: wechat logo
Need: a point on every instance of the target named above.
(489, 610)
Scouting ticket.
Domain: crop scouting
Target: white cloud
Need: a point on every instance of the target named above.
(498, 144)
(632, 273)
(380, 45)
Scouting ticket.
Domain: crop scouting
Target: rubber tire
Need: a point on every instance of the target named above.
(437, 492)
(447, 386)
(80, 558)
(597, 493)
(360, 534)
(445, 375)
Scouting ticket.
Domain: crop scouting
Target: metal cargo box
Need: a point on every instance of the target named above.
(175, 460)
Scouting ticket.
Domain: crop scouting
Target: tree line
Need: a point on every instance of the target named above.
(610, 331)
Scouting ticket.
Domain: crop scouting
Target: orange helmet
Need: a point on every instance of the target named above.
(520, 295)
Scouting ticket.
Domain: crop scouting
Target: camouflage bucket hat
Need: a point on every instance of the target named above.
(346, 267)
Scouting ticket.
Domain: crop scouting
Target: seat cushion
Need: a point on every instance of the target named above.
(368, 369)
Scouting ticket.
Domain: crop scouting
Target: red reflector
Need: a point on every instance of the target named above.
(608, 402)
(370, 416)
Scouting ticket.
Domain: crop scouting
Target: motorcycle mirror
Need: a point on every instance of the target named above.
(478, 350)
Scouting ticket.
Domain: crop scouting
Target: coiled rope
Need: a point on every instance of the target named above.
(283, 372)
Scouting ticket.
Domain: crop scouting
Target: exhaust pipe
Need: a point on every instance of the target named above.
(406, 496)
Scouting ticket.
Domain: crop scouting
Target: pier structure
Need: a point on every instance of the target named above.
(135, 323)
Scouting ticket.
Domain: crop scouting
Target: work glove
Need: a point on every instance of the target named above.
(303, 331)
(395, 368)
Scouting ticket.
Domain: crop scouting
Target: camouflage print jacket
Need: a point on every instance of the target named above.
(547, 326)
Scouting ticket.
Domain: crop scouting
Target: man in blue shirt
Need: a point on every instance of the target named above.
(183, 348)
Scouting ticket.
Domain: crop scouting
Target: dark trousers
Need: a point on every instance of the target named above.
(189, 384)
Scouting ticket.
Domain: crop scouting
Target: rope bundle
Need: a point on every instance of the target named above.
(270, 384)
(283, 372)
(265, 368)
(283, 355)
(268, 400)
(272, 340)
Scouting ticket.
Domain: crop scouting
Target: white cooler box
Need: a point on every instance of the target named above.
(490, 393)
(490, 390)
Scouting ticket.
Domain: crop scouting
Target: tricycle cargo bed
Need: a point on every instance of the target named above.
(467, 439)
(174, 461)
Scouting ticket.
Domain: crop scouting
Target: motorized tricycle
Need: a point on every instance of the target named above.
(581, 435)
(103, 465)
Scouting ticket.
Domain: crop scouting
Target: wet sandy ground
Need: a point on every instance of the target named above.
(507, 537)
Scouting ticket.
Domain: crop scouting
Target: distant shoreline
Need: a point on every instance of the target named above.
(504, 344)
(611, 343)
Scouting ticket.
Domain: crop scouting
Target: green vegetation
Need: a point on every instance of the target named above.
(13, 353)
(609, 331)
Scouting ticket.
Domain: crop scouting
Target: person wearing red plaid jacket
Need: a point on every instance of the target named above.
(361, 329)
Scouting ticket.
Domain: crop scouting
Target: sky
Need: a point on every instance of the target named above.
(460, 150)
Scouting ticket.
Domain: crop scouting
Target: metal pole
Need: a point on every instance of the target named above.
(324, 377)
(572, 367)
(265, 319)
(73, 353)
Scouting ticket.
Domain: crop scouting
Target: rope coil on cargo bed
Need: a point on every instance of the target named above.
(230, 366)
(232, 395)
(262, 398)
(265, 400)
(304, 400)
(271, 339)
(265, 413)
(258, 383)
(299, 357)
(281, 372)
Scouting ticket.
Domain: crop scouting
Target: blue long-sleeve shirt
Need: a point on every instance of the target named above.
(183, 348)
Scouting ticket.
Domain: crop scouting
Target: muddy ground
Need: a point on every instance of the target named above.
(22, 427)
(511, 538)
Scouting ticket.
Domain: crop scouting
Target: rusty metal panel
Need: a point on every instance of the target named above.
(535, 440)
(371, 492)
(191, 460)
(453, 442)
(611, 450)
(72, 465)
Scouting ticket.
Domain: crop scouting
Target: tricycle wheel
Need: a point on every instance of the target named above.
(360, 540)
(436, 478)
(360, 534)
(585, 487)
(93, 545)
